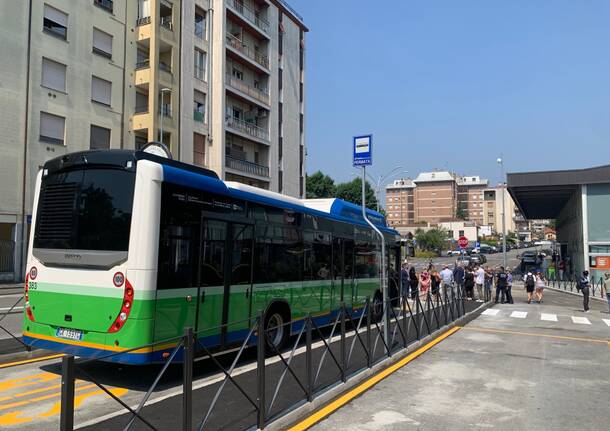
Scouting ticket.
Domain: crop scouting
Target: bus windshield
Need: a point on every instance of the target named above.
(85, 209)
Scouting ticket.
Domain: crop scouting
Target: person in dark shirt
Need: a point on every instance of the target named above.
(469, 283)
(501, 283)
(414, 283)
(458, 278)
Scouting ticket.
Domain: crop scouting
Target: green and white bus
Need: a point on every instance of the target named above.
(129, 249)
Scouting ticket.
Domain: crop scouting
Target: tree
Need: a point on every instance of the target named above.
(320, 186)
(352, 192)
(460, 212)
(431, 240)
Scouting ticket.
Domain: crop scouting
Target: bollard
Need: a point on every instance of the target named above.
(66, 420)
(260, 371)
(187, 381)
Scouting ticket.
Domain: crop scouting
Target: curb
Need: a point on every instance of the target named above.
(295, 416)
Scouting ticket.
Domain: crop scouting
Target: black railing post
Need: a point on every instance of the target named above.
(369, 347)
(309, 359)
(260, 372)
(404, 320)
(343, 357)
(386, 314)
(66, 420)
(187, 381)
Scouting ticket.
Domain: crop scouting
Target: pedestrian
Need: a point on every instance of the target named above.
(561, 269)
(424, 284)
(583, 285)
(435, 284)
(469, 283)
(480, 281)
(544, 266)
(530, 283)
(458, 279)
(551, 270)
(539, 287)
(509, 286)
(606, 288)
(489, 282)
(404, 280)
(413, 283)
(501, 283)
(447, 281)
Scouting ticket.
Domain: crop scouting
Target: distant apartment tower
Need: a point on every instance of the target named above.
(492, 209)
(435, 196)
(470, 197)
(400, 202)
(220, 82)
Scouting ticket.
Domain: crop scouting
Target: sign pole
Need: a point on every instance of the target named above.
(363, 156)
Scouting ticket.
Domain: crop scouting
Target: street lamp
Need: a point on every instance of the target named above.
(161, 113)
(378, 183)
(501, 163)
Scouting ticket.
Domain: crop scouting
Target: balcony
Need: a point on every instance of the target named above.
(104, 4)
(247, 167)
(143, 21)
(251, 16)
(247, 51)
(255, 93)
(246, 128)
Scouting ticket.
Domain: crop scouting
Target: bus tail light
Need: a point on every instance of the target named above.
(125, 308)
(28, 309)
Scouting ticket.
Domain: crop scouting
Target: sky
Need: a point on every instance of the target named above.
(454, 85)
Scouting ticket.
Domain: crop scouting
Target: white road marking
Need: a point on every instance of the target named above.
(549, 317)
(491, 312)
(14, 309)
(519, 314)
(580, 320)
(606, 321)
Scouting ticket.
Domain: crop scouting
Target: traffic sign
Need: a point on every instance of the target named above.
(363, 150)
(463, 242)
(477, 244)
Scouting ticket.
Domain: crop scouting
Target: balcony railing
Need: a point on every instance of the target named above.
(238, 84)
(166, 21)
(143, 64)
(246, 166)
(143, 21)
(249, 15)
(164, 66)
(252, 54)
(104, 4)
(198, 116)
(248, 128)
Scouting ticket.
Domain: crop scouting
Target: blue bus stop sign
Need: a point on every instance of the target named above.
(363, 150)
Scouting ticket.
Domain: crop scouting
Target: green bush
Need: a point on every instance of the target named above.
(424, 254)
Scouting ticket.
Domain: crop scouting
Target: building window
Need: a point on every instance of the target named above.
(199, 149)
(237, 74)
(104, 4)
(199, 23)
(55, 22)
(102, 43)
(52, 128)
(461, 233)
(200, 63)
(100, 138)
(101, 90)
(53, 75)
(199, 107)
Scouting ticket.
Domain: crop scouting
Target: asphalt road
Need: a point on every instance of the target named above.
(521, 366)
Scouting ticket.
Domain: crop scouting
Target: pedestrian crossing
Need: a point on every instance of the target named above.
(547, 317)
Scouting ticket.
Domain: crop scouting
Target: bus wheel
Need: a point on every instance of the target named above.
(276, 329)
(377, 307)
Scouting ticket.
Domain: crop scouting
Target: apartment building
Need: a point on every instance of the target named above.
(470, 197)
(435, 196)
(493, 210)
(400, 202)
(220, 82)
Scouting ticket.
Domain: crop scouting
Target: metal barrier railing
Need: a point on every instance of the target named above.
(571, 283)
(305, 362)
(5, 330)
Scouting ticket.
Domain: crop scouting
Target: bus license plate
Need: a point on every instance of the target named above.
(70, 334)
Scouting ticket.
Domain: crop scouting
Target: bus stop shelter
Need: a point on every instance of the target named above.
(579, 201)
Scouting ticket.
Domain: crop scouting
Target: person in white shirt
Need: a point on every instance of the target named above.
(447, 280)
(480, 281)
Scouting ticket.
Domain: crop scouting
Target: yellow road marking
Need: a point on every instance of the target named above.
(27, 381)
(42, 398)
(30, 361)
(534, 334)
(118, 392)
(36, 391)
(347, 397)
(13, 418)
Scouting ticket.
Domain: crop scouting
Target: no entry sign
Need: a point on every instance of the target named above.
(463, 242)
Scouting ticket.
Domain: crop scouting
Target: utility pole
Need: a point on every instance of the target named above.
(501, 163)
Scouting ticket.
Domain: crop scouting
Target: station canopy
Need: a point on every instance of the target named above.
(542, 195)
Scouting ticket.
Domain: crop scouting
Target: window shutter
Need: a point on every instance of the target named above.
(102, 41)
(53, 75)
(52, 127)
(101, 90)
(55, 15)
(100, 138)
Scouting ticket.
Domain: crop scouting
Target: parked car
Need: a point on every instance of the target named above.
(463, 260)
(452, 253)
(487, 249)
(478, 259)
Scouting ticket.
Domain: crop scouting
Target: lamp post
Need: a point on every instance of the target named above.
(501, 163)
(378, 183)
(161, 113)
